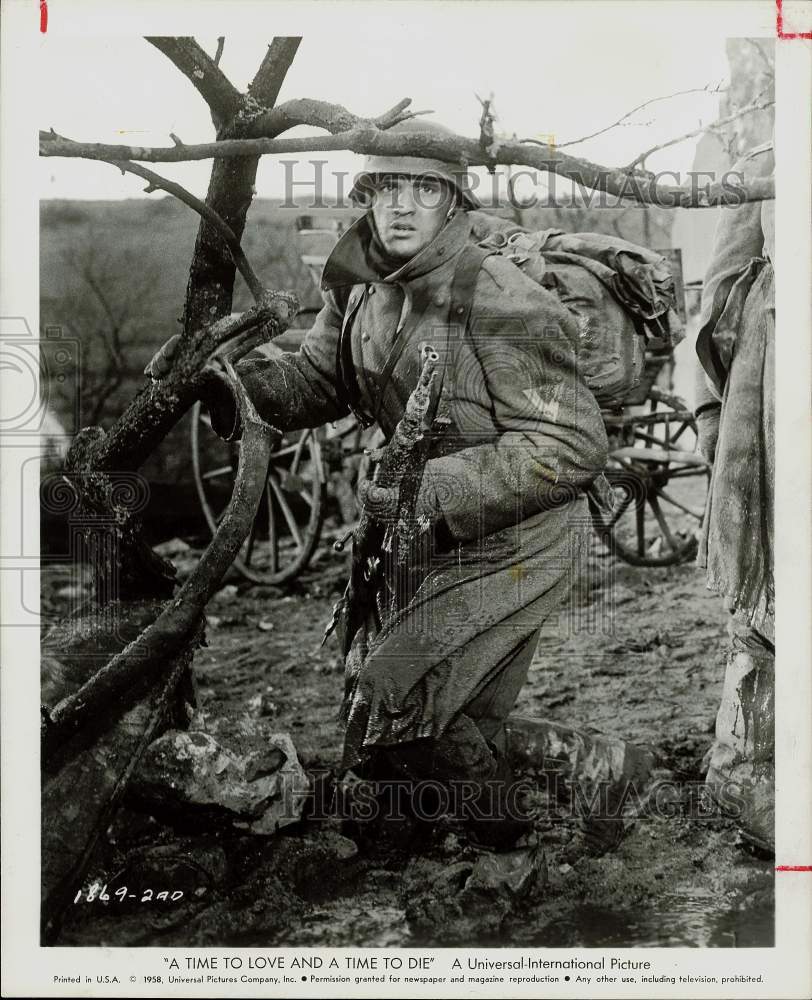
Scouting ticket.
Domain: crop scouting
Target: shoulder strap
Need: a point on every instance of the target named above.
(347, 387)
(464, 282)
(461, 301)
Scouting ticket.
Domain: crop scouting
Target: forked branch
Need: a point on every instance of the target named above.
(203, 73)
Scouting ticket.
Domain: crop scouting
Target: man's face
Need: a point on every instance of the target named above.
(409, 212)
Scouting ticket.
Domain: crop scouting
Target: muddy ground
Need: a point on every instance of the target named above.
(639, 655)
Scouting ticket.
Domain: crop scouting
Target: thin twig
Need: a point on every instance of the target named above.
(487, 136)
(156, 182)
(241, 262)
(713, 127)
(221, 43)
(398, 114)
(333, 118)
(645, 104)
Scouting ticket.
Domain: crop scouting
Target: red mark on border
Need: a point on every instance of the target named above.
(43, 16)
(779, 30)
(793, 868)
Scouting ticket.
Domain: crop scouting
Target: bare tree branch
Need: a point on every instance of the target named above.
(156, 182)
(105, 692)
(221, 43)
(210, 289)
(96, 458)
(205, 75)
(268, 80)
(333, 118)
(235, 249)
(622, 119)
(640, 186)
(152, 413)
(713, 127)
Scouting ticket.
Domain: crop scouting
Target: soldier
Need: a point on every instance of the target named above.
(503, 493)
(735, 414)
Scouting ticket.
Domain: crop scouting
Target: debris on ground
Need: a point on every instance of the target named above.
(679, 875)
(193, 775)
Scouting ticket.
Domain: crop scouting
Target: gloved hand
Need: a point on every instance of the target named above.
(232, 350)
(707, 429)
(160, 362)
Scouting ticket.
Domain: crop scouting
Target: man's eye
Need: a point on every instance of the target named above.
(430, 187)
(387, 186)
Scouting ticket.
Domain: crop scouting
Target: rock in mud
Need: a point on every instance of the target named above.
(595, 769)
(469, 900)
(260, 787)
(519, 874)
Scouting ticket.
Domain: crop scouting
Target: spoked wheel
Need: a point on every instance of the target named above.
(286, 529)
(660, 487)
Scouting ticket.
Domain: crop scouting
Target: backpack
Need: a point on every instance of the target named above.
(622, 295)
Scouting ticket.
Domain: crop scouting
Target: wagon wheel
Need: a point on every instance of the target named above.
(286, 529)
(660, 489)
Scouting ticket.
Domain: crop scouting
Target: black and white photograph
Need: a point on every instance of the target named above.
(397, 421)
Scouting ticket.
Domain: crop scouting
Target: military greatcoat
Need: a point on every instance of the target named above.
(507, 477)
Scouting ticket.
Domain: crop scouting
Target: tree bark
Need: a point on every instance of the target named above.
(124, 566)
(102, 694)
(210, 290)
(203, 73)
(358, 135)
(99, 466)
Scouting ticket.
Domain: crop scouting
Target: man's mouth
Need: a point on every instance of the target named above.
(402, 227)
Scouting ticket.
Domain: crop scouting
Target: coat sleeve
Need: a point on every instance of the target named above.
(294, 390)
(519, 376)
(739, 238)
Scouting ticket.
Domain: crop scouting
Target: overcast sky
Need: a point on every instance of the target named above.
(547, 78)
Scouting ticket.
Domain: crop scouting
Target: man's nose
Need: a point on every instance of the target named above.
(404, 200)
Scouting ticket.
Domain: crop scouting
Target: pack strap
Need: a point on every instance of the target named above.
(395, 353)
(347, 388)
(461, 302)
(464, 282)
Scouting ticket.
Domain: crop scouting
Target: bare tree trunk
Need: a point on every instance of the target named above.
(231, 189)
(93, 738)
(96, 457)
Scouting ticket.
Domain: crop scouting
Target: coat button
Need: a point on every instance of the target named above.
(365, 336)
(371, 290)
(440, 300)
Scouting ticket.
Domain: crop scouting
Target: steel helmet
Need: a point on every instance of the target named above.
(415, 166)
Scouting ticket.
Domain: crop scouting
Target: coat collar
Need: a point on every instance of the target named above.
(349, 262)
